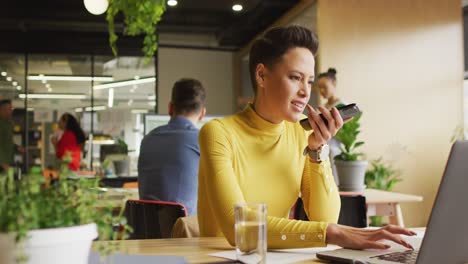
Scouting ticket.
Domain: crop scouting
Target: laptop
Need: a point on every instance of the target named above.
(446, 236)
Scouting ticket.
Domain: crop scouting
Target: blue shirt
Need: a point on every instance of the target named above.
(168, 164)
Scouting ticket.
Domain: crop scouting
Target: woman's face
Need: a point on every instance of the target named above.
(326, 87)
(287, 85)
(62, 123)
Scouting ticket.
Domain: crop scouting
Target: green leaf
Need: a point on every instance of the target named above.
(140, 18)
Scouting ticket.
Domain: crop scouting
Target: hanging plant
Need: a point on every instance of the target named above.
(140, 17)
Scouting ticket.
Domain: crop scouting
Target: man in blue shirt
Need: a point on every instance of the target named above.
(169, 155)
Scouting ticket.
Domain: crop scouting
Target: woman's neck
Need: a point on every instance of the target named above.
(332, 101)
(261, 108)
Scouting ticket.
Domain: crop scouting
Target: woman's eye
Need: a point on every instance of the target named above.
(296, 78)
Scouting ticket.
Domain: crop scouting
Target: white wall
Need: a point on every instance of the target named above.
(402, 62)
(212, 68)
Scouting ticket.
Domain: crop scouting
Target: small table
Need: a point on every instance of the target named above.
(383, 203)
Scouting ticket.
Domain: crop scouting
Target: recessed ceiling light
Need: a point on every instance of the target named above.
(237, 7)
(172, 2)
(14, 83)
(9, 79)
(18, 88)
(47, 85)
(44, 81)
(4, 73)
(49, 89)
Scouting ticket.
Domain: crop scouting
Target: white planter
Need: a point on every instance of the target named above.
(69, 245)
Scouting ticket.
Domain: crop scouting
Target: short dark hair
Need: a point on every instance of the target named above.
(5, 102)
(188, 96)
(331, 74)
(269, 48)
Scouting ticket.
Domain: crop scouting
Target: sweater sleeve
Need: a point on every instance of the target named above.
(320, 194)
(223, 191)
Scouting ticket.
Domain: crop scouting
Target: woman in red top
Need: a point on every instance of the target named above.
(71, 141)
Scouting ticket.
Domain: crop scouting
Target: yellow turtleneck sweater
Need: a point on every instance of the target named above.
(244, 158)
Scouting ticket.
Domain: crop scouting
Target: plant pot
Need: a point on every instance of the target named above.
(351, 175)
(121, 167)
(69, 245)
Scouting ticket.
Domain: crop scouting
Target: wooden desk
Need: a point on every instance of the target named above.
(195, 250)
(384, 203)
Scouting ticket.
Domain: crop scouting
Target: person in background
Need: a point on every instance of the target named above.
(262, 154)
(71, 141)
(169, 155)
(7, 147)
(327, 87)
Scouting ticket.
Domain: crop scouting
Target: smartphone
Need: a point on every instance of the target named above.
(346, 111)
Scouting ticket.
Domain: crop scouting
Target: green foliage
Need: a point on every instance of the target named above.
(123, 147)
(460, 133)
(347, 136)
(382, 177)
(37, 203)
(140, 17)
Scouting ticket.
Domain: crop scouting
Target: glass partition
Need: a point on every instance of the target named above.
(108, 95)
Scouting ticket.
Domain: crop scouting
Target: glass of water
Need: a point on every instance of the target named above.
(251, 232)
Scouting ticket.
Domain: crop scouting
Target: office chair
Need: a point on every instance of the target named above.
(152, 219)
(353, 211)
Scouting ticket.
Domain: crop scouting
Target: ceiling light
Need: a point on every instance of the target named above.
(18, 88)
(75, 78)
(124, 83)
(4, 73)
(96, 7)
(53, 96)
(139, 111)
(9, 79)
(110, 99)
(44, 81)
(172, 2)
(47, 85)
(14, 83)
(49, 90)
(94, 108)
(237, 7)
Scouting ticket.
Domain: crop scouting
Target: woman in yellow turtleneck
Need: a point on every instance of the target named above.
(257, 154)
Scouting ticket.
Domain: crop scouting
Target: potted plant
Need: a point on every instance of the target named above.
(122, 164)
(52, 222)
(349, 168)
(139, 17)
(382, 177)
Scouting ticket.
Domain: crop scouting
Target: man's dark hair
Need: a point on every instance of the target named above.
(188, 96)
(275, 43)
(5, 102)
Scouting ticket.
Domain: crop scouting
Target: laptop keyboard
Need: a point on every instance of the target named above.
(400, 257)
